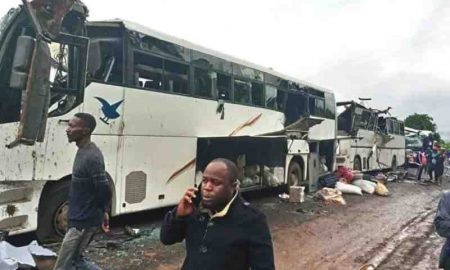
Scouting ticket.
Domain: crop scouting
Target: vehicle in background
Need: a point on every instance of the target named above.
(414, 143)
(369, 139)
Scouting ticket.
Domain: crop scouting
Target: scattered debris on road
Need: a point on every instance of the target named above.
(33, 255)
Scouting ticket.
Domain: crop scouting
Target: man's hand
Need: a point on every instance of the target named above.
(105, 224)
(185, 206)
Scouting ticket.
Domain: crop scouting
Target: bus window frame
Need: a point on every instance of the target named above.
(276, 97)
(402, 128)
(213, 89)
(125, 57)
(225, 68)
(163, 90)
(247, 81)
(188, 90)
(262, 95)
(367, 125)
(396, 126)
(263, 78)
(231, 97)
(389, 126)
(316, 98)
(372, 121)
(302, 95)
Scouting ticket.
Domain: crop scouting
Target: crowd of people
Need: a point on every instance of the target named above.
(432, 159)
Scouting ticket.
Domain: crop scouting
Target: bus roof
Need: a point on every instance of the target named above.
(356, 104)
(181, 42)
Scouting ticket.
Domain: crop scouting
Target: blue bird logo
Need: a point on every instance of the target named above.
(109, 110)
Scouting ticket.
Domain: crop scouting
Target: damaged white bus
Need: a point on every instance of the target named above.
(369, 139)
(165, 108)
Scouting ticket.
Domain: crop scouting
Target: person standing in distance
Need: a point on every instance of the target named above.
(89, 196)
(223, 231)
(427, 143)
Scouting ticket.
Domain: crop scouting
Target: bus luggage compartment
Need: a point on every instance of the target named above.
(260, 160)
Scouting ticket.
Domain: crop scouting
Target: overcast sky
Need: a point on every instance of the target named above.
(394, 51)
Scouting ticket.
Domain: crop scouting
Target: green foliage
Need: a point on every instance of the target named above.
(437, 137)
(421, 121)
(445, 145)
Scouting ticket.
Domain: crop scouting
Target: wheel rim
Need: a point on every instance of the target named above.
(60, 219)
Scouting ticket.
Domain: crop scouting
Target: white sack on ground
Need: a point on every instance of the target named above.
(348, 188)
(366, 186)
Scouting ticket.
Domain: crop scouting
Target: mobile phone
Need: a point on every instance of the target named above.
(198, 195)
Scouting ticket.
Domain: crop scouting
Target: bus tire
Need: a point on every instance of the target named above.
(295, 174)
(357, 164)
(394, 163)
(52, 213)
(53, 209)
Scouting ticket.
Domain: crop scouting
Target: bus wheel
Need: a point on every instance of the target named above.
(295, 174)
(52, 215)
(357, 164)
(394, 163)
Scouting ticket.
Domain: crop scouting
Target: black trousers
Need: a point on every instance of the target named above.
(419, 176)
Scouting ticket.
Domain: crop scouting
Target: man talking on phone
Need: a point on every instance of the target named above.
(223, 231)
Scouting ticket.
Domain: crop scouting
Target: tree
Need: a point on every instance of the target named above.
(420, 121)
(437, 137)
(446, 145)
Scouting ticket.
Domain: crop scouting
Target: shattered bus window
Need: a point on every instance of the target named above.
(60, 103)
(210, 62)
(296, 106)
(365, 119)
(271, 97)
(257, 94)
(105, 61)
(242, 91)
(330, 106)
(224, 86)
(176, 77)
(204, 82)
(149, 71)
(159, 46)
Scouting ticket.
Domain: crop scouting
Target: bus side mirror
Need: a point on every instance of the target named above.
(35, 91)
(21, 62)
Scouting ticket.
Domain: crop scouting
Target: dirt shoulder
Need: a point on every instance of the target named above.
(311, 235)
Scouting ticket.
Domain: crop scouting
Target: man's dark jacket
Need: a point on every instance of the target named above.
(442, 224)
(238, 241)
